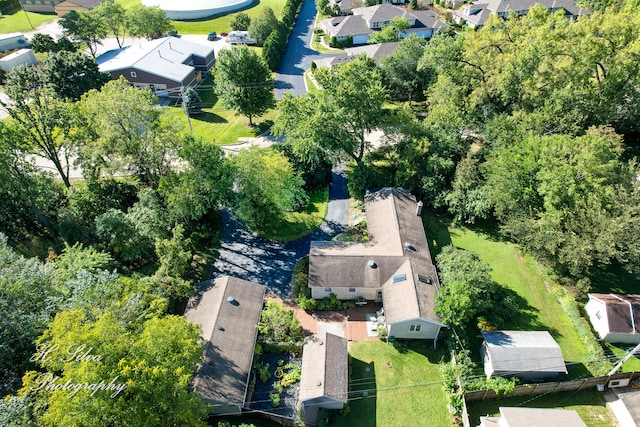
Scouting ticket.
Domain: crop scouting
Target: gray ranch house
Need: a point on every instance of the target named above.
(167, 65)
(228, 309)
(394, 267)
(367, 20)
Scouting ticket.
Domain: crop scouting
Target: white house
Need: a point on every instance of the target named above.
(19, 57)
(524, 354)
(367, 20)
(394, 267)
(616, 318)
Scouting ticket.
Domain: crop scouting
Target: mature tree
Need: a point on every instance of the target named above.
(263, 25)
(468, 294)
(43, 120)
(148, 363)
(85, 26)
(243, 81)
(147, 22)
(316, 173)
(200, 186)
(267, 185)
(113, 17)
(469, 198)
(240, 22)
(392, 32)
(71, 74)
(334, 121)
(174, 257)
(323, 7)
(123, 131)
(570, 201)
(401, 73)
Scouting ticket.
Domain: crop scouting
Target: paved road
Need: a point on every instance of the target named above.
(245, 255)
(298, 54)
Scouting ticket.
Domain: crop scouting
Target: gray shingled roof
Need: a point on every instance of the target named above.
(619, 312)
(325, 368)
(523, 351)
(534, 417)
(166, 57)
(392, 224)
(88, 4)
(347, 26)
(229, 333)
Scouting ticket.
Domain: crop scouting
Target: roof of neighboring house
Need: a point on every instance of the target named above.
(534, 417)
(325, 368)
(382, 12)
(346, 5)
(477, 19)
(377, 51)
(478, 13)
(10, 36)
(165, 57)
(88, 4)
(523, 351)
(619, 312)
(346, 26)
(228, 310)
(427, 19)
(397, 246)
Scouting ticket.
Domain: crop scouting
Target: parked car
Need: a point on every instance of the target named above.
(212, 35)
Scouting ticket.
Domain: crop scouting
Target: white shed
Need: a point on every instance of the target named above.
(12, 41)
(19, 57)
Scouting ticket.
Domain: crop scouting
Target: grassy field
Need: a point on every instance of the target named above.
(216, 123)
(18, 22)
(219, 23)
(538, 308)
(402, 386)
(295, 225)
(589, 404)
(620, 350)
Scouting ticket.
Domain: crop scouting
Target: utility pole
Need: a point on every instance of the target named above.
(185, 103)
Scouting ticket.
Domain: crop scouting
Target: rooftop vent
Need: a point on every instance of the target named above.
(232, 301)
(220, 328)
(408, 246)
(419, 208)
(371, 263)
(319, 383)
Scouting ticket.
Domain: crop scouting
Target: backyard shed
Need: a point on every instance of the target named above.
(19, 57)
(616, 318)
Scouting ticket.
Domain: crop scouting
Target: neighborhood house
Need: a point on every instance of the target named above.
(616, 318)
(167, 65)
(68, 5)
(228, 309)
(376, 51)
(324, 382)
(394, 267)
(366, 20)
(530, 355)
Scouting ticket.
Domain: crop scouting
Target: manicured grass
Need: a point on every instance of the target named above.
(216, 123)
(620, 350)
(403, 386)
(17, 21)
(294, 225)
(589, 404)
(519, 273)
(218, 24)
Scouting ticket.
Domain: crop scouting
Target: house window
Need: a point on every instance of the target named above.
(414, 328)
(352, 289)
(327, 289)
(134, 74)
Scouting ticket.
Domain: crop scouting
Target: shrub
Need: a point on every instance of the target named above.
(275, 399)
(263, 373)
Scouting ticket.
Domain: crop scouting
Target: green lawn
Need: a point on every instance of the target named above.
(216, 123)
(221, 23)
(18, 22)
(519, 273)
(294, 225)
(589, 404)
(403, 387)
(620, 350)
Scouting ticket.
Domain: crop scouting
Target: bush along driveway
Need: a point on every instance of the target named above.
(246, 255)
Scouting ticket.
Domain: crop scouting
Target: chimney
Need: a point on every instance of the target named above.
(419, 208)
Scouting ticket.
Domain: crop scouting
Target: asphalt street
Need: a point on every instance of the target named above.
(298, 54)
(245, 255)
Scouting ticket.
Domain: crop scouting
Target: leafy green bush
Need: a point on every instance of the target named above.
(275, 399)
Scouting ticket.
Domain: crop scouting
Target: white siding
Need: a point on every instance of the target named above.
(597, 312)
(428, 330)
(360, 39)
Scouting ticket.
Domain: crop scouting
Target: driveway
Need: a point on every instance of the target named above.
(298, 54)
(245, 255)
